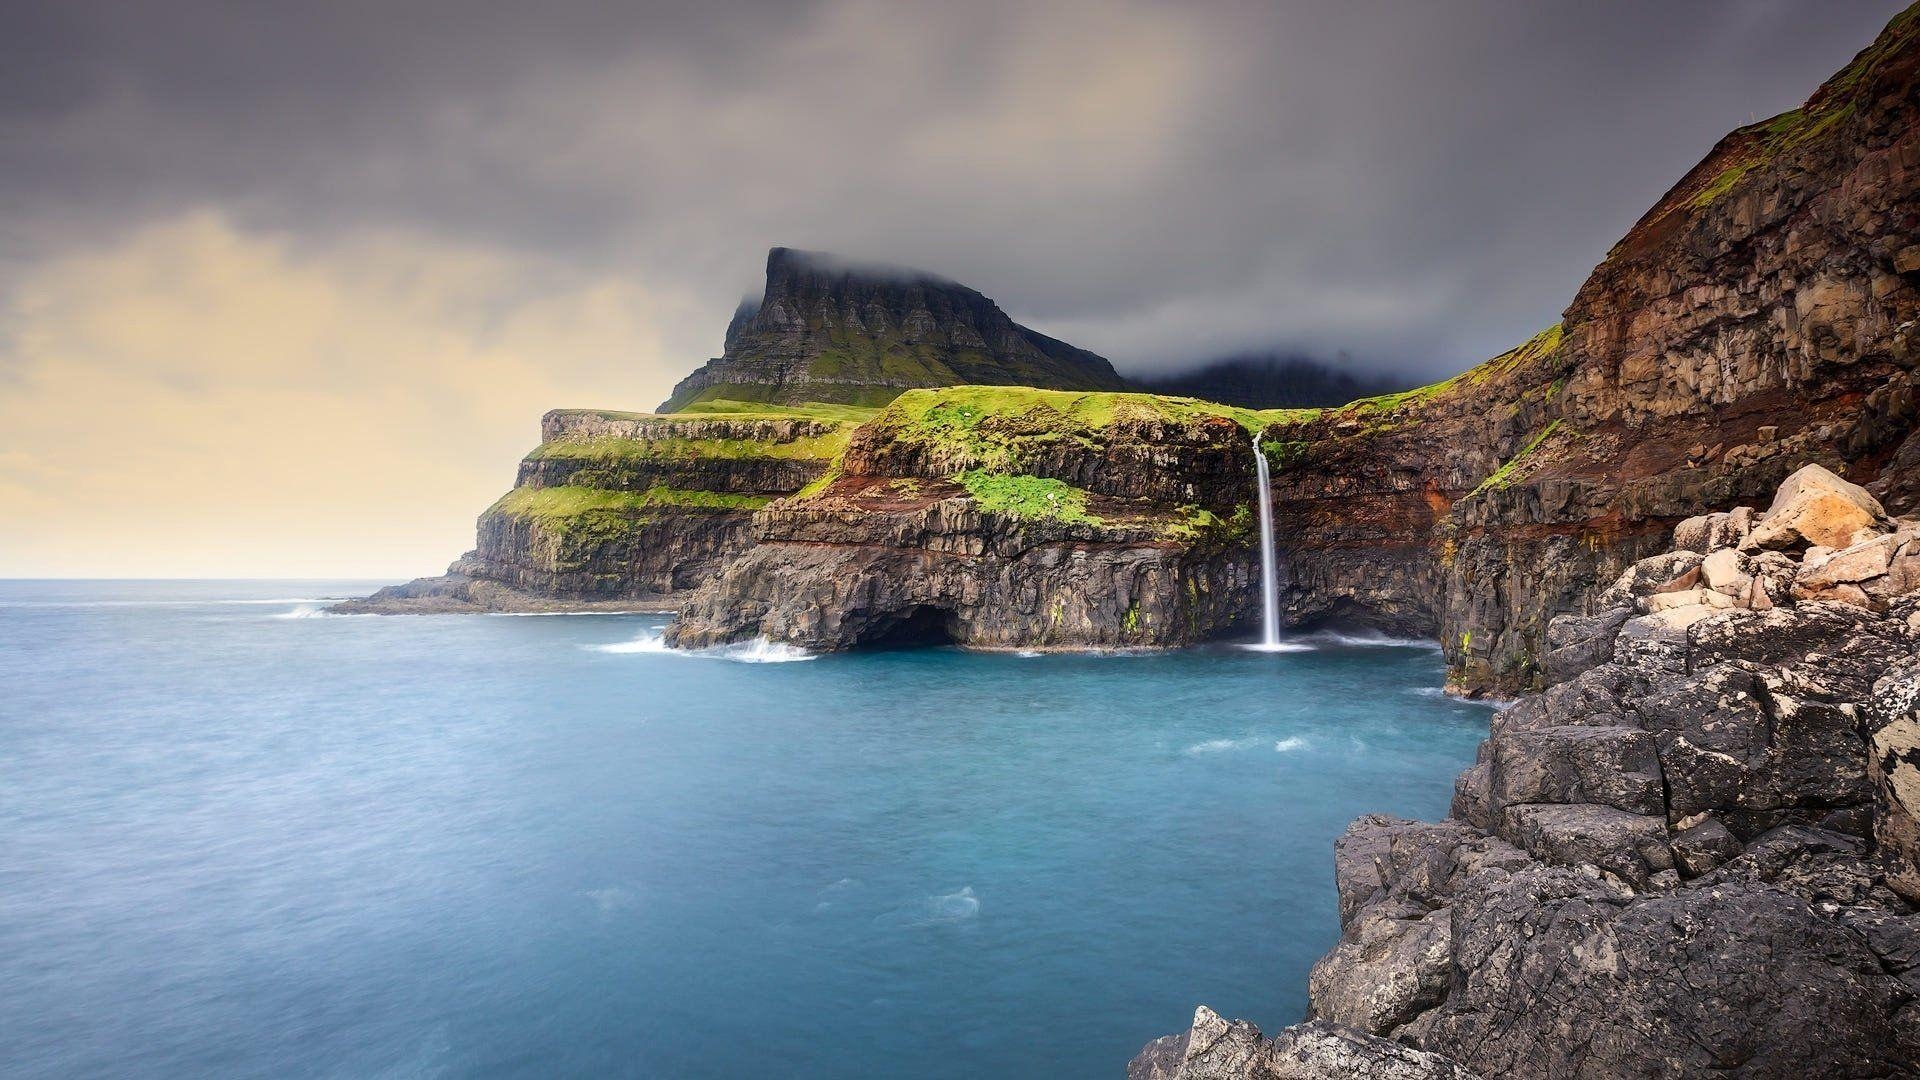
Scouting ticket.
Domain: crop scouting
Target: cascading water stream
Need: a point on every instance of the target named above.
(1269, 588)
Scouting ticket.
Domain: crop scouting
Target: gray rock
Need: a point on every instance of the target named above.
(1894, 726)
(1217, 1049)
(1702, 845)
(1631, 846)
(1561, 976)
(1578, 643)
(1617, 766)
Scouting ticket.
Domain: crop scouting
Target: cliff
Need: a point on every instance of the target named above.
(830, 330)
(1007, 517)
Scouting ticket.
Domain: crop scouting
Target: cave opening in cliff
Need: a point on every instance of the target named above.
(917, 627)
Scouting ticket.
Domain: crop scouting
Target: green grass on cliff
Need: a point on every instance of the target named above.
(1512, 470)
(560, 505)
(1389, 410)
(606, 448)
(1837, 100)
(1027, 498)
(995, 427)
(1079, 409)
(1197, 525)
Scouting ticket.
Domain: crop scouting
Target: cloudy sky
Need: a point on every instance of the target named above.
(284, 286)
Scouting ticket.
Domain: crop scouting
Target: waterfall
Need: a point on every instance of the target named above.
(1269, 587)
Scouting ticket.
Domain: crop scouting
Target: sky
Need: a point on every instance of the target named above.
(285, 286)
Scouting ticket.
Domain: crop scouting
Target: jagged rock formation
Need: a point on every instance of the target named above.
(625, 511)
(1271, 382)
(1006, 518)
(1692, 855)
(830, 330)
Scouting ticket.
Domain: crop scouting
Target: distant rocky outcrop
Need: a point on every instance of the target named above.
(1693, 855)
(1271, 382)
(831, 330)
(626, 511)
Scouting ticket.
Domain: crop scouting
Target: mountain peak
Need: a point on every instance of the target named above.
(833, 329)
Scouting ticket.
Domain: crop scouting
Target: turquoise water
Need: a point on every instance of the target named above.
(237, 841)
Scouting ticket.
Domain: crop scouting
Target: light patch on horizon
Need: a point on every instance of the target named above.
(200, 401)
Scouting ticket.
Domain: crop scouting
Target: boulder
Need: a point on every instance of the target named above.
(1815, 507)
(1858, 565)
(1668, 601)
(1712, 532)
(1651, 575)
(1385, 971)
(1219, 1049)
(1729, 572)
(1614, 766)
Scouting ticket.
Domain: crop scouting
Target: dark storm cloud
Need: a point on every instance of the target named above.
(1417, 184)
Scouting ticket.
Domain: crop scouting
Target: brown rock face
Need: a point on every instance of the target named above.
(1755, 320)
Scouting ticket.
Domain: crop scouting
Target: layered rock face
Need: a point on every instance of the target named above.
(625, 510)
(830, 330)
(1760, 316)
(1006, 518)
(1692, 855)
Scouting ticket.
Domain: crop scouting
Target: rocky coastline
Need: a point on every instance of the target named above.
(1695, 853)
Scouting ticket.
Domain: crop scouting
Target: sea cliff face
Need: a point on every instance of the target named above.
(1006, 517)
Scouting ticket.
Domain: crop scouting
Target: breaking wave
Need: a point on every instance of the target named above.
(756, 651)
(1290, 744)
(649, 641)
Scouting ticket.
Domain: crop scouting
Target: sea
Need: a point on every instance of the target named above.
(242, 837)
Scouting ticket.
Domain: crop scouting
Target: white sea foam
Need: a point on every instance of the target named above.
(610, 899)
(303, 611)
(1290, 744)
(941, 910)
(759, 651)
(1220, 746)
(1281, 646)
(1366, 640)
(1029, 654)
(649, 641)
(1441, 692)
(756, 651)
